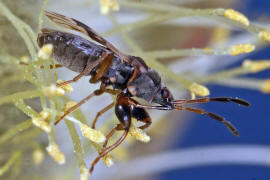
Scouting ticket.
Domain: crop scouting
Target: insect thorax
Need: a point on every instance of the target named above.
(147, 82)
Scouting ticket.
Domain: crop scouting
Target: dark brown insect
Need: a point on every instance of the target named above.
(128, 75)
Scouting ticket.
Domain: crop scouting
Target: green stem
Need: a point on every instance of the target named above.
(15, 130)
(76, 142)
(20, 95)
(18, 25)
(15, 156)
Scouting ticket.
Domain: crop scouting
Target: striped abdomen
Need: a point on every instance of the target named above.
(76, 53)
(70, 50)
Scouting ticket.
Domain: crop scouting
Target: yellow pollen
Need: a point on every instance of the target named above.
(69, 104)
(139, 134)
(39, 122)
(84, 173)
(45, 114)
(108, 5)
(256, 66)
(92, 134)
(241, 49)
(24, 59)
(55, 153)
(53, 90)
(46, 51)
(264, 35)
(207, 50)
(266, 86)
(236, 16)
(108, 160)
(67, 87)
(38, 156)
(198, 89)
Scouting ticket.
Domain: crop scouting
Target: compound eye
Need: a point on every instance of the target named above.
(165, 93)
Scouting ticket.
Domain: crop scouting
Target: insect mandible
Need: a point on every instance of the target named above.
(128, 75)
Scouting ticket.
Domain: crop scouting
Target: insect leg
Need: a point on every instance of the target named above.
(118, 127)
(70, 110)
(123, 113)
(208, 99)
(141, 115)
(228, 124)
(108, 149)
(103, 68)
(100, 113)
(42, 67)
(86, 71)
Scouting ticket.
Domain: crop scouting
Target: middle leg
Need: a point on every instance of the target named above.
(87, 70)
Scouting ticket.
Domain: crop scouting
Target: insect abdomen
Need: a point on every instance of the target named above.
(70, 50)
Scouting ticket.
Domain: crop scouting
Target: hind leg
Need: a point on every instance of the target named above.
(141, 115)
(123, 113)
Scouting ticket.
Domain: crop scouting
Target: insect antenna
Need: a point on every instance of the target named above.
(216, 117)
(216, 99)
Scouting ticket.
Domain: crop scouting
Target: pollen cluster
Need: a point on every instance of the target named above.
(92, 134)
(198, 89)
(264, 35)
(108, 160)
(84, 173)
(52, 90)
(55, 153)
(139, 134)
(46, 51)
(108, 5)
(241, 49)
(42, 121)
(236, 16)
(256, 66)
(266, 86)
(67, 87)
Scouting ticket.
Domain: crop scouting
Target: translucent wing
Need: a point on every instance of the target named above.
(75, 25)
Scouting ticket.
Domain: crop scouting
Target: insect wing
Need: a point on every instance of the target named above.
(75, 25)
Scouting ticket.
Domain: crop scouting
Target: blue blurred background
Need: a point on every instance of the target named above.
(253, 122)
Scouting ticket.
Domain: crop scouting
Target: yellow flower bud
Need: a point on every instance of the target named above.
(69, 104)
(241, 49)
(236, 16)
(46, 51)
(24, 60)
(264, 35)
(67, 87)
(108, 160)
(108, 5)
(55, 153)
(139, 134)
(38, 156)
(37, 121)
(199, 90)
(256, 66)
(53, 90)
(266, 86)
(84, 173)
(45, 114)
(92, 134)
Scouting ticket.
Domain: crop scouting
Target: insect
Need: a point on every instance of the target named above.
(128, 75)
